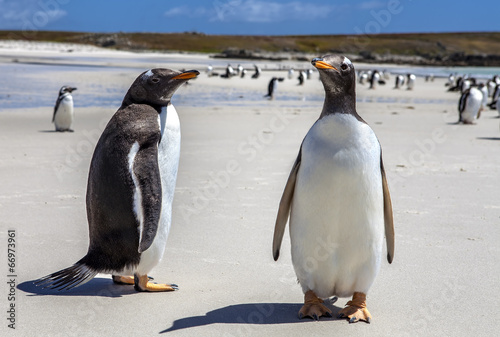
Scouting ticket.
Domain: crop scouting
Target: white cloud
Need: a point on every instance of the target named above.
(28, 14)
(255, 11)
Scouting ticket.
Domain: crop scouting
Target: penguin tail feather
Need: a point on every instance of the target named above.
(68, 278)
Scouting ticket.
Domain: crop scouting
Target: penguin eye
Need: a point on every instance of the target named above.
(155, 80)
(344, 66)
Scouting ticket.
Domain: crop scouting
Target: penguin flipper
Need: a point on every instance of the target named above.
(147, 174)
(68, 278)
(284, 208)
(59, 99)
(388, 217)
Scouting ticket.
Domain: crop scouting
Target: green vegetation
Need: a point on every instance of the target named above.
(431, 48)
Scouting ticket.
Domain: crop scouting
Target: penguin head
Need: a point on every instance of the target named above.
(336, 72)
(64, 89)
(156, 86)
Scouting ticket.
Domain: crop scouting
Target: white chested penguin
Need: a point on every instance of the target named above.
(63, 110)
(338, 201)
(131, 187)
(469, 105)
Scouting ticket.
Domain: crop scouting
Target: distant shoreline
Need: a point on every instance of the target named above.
(429, 49)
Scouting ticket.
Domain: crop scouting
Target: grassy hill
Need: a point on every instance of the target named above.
(435, 48)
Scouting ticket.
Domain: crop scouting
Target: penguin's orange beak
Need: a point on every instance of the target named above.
(320, 64)
(186, 75)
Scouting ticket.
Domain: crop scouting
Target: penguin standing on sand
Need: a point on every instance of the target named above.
(338, 201)
(400, 81)
(469, 105)
(257, 72)
(271, 88)
(131, 187)
(410, 83)
(374, 79)
(63, 110)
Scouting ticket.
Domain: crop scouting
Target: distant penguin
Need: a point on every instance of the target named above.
(257, 72)
(484, 90)
(491, 85)
(465, 85)
(469, 105)
(386, 75)
(229, 72)
(337, 201)
(302, 77)
(131, 187)
(451, 81)
(210, 70)
(63, 110)
(410, 81)
(494, 98)
(239, 69)
(363, 77)
(271, 88)
(457, 84)
(400, 81)
(243, 72)
(374, 79)
(309, 73)
(290, 73)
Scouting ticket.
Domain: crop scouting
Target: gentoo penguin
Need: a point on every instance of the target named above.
(63, 110)
(363, 77)
(257, 72)
(290, 73)
(400, 81)
(484, 90)
(229, 72)
(469, 105)
(451, 81)
(338, 201)
(302, 77)
(374, 79)
(494, 98)
(131, 186)
(410, 83)
(271, 88)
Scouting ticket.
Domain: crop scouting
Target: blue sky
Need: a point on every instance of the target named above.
(260, 17)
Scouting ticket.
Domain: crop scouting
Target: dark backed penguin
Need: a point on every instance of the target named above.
(400, 81)
(131, 187)
(302, 77)
(271, 88)
(410, 82)
(63, 110)
(374, 79)
(338, 201)
(257, 72)
(469, 105)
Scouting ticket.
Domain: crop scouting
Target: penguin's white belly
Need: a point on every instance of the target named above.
(168, 163)
(64, 114)
(337, 217)
(472, 105)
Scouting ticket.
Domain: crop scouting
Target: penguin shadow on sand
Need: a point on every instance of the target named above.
(249, 314)
(98, 286)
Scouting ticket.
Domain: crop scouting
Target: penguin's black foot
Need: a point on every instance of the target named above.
(141, 283)
(313, 307)
(355, 309)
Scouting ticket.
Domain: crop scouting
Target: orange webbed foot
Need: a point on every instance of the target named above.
(313, 307)
(355, 309)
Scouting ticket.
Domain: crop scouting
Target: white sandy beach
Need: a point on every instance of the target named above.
(236, 154)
